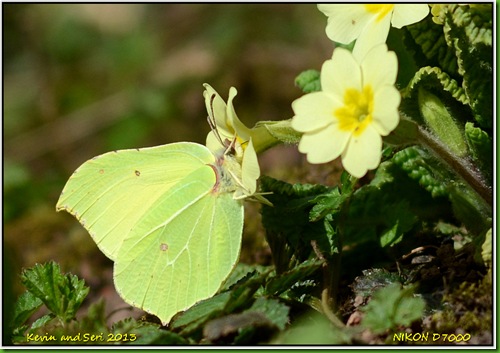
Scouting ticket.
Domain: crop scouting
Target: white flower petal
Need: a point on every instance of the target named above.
(340, 73)
(380, 67)
(405, 14)
(325, 145)
(313, 111)
(362, 153)
(375, 32)
(385, 110)
(345, 21)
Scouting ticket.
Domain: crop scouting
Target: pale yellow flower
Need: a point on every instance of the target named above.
(357, 105)
(229, 134)
(369, 24)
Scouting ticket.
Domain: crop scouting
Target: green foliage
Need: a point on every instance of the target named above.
(481, 147)
(468, 30)
(61, 294)
(46, 285)
(309, 81)
(442, 124)
(428, 42)
(288, 228)
(390, 307)
(414, 161)
(314, 329)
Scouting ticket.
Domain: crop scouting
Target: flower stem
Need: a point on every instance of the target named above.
(460, 166)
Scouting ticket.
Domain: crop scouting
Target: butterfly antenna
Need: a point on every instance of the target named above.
(211, 121)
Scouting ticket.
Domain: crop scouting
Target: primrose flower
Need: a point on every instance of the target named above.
(228, 131)
(357, 105)
(368, 23)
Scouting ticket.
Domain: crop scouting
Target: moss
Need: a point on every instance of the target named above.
(466, 309)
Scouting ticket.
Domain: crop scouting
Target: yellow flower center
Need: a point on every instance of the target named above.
(356, 114)
(379, 9)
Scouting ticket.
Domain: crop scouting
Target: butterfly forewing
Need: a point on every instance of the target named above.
(110, 193)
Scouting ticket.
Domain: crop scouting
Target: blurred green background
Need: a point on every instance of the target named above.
(83, 79)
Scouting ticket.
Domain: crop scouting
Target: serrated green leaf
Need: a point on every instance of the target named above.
(133, 332)
(426, 39)
(413, 161)
(241, 273)
(274, 310)
(285, 281)
(62, 294)
(25, 306)
(390, 307)
(201, 312)
(223, 329)
(468, 30)
(481, 147)
(309, 81)
(149, 334)
(434, 78)
(327, 203)
(242, 295)
(41, 322)
(288, 229)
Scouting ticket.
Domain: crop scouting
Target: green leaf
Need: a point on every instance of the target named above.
(433, 78)
(309, 81)
(487, 248)
(200, 312)
(62, 294)
(327, 203)
(405, 133)
(426, 39)
(440, 121)
(26, 305)
(274, 310)
(223, 329)
(130, 331)
(413, 161)
(390, 307)
(287, 280)
(95, 319)
(481, 146)
(280, 131)
(241, 273)
(470, 209)
(468, 30)
(288, 228)
(314, 329)
(402, 221)
(41, 322)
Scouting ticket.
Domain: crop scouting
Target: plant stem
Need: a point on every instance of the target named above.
(459, 165)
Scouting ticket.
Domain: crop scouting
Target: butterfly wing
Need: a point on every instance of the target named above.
(183, 251)
(111, 192)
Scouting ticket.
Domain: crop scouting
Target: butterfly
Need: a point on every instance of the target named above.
(170, 216)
